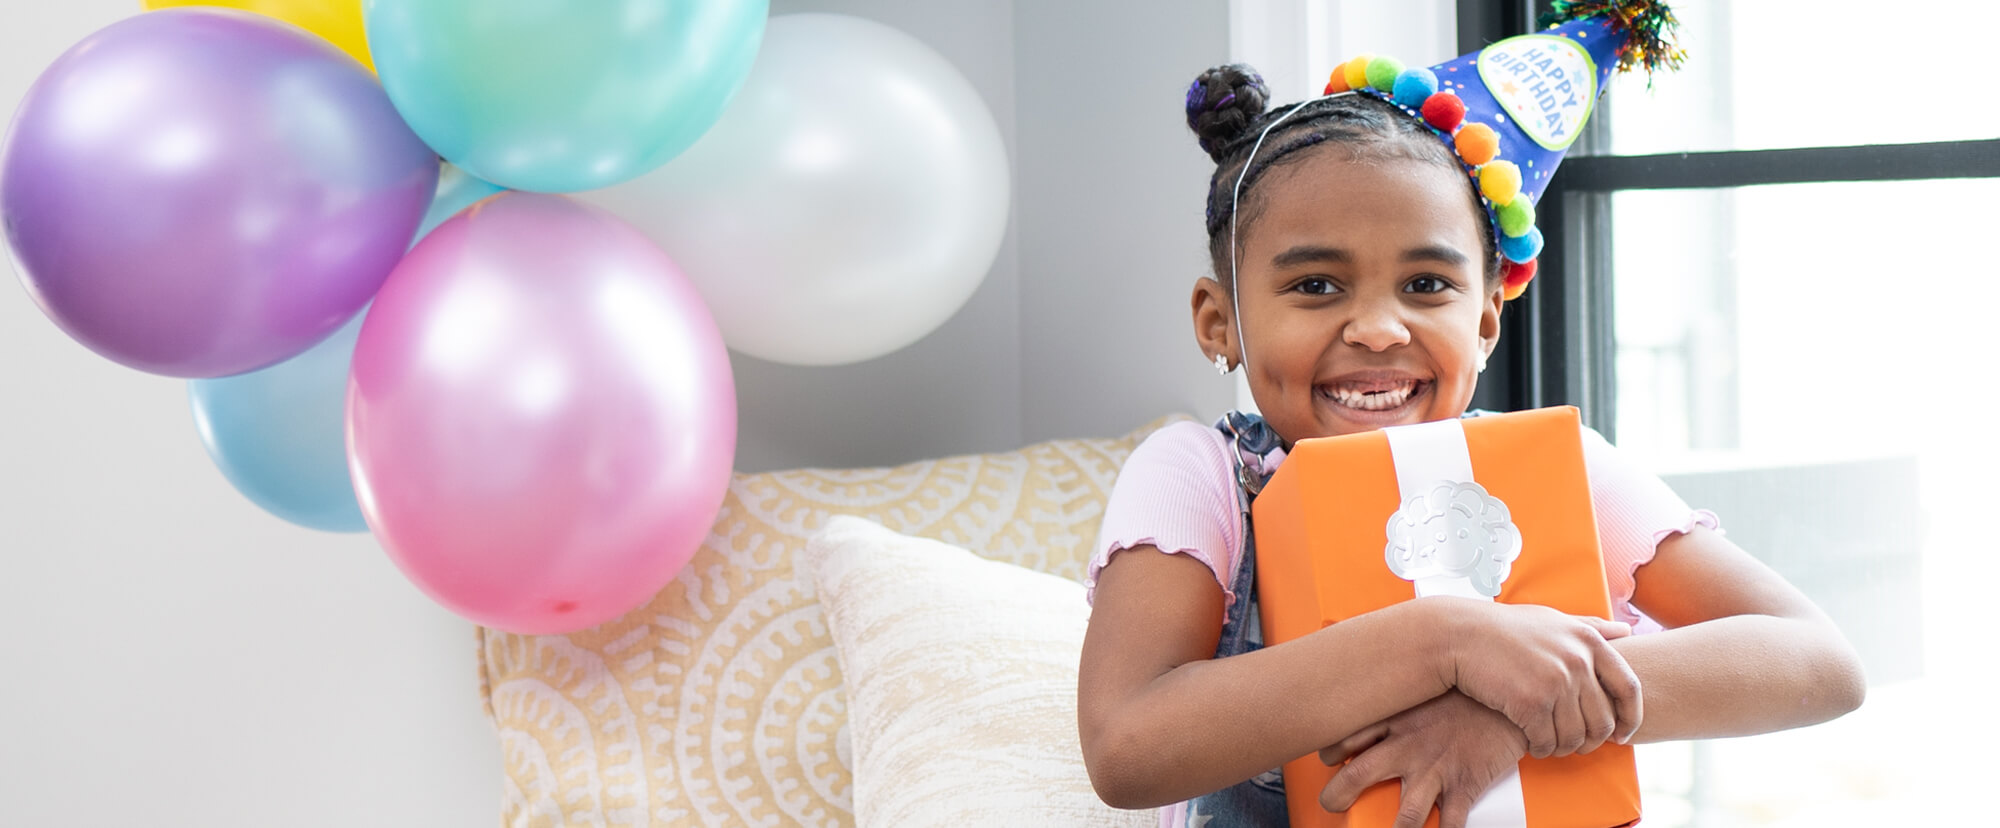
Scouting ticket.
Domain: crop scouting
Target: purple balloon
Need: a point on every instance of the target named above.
(540, 416)
(201, 192)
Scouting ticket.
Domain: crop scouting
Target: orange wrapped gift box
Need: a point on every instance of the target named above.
(1497, 503)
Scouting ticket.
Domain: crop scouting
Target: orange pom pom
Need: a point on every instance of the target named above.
(1500, 181)
(1477, 143)
(1510, 294)
(1337, 81)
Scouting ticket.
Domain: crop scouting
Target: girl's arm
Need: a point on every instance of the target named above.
(1745, 652)
(1161, 721)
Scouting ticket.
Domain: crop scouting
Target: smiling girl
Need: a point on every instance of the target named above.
(1358, 285)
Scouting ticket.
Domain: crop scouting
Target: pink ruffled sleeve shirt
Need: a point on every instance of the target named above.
(1177, 492)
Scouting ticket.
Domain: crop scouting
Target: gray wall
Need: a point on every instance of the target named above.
(1111, 193)
(174, 656)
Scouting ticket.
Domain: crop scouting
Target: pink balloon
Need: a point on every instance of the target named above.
(540, 418)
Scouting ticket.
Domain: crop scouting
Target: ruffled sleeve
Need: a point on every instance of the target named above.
(1635, 511)
(1176, 492)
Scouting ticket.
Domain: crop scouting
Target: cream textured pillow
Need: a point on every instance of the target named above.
(961, 682)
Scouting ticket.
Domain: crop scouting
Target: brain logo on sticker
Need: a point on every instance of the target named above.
(1454, 530)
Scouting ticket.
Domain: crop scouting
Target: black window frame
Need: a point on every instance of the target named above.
(1557, 345)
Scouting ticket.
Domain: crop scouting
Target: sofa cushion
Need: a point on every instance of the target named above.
(960, 677)
(719, 702)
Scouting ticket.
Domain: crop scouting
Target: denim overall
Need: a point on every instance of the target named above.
(1258, 802)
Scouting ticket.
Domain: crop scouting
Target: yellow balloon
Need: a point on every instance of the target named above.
(339, 21)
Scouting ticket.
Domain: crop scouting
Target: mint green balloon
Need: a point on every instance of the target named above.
(562, 95)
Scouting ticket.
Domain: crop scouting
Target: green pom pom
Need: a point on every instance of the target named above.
(1517, 217)
(1382, 73)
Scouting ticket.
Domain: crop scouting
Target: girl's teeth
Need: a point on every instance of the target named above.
(1373, 400)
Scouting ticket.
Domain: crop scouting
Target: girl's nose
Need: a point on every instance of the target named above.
(1377, 326)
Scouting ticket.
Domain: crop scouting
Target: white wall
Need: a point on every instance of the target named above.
(174, 656)
(169, 654)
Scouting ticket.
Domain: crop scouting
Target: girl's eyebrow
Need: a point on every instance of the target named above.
(1441, 253)
(1311, 254)
(1316, 254)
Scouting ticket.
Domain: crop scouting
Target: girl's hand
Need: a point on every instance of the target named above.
(1447, 751)
(1553, 675)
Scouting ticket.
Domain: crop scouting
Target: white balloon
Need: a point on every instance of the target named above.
(849, 201)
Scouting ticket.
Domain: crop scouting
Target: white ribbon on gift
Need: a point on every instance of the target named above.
(1426, 455)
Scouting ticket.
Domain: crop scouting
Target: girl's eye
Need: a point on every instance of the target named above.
(1314, 286)
(1427, 284)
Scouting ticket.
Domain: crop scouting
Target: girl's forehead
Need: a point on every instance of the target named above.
(1362, 201)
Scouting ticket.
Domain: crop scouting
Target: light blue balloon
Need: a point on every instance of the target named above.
(456, 191)
(560, 97)
(279, 434)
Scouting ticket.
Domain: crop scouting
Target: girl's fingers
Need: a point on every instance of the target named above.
(1621, 685)
(1608, 629)
(1418, 796)
(1351, 746)
(1454, 810)
(1600, 719)
(1350, 780)
(1569, 724)
(1540, 730)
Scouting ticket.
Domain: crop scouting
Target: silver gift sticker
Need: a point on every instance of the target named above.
(1454, 530)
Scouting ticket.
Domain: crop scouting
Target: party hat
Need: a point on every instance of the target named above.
(1512, 109)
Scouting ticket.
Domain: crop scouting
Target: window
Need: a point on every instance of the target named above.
(1775, 276)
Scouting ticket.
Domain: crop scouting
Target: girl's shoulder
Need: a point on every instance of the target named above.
(1176, 492)
(1613, 471)
(1183, 450)
(1183, 435)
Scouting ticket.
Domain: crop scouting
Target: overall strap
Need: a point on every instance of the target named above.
(1252, 445)
(1258, 802)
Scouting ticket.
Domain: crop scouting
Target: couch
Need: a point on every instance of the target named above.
(721, 702)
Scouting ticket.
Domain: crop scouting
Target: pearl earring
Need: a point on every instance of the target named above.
(1221, 364)
(1482, 363)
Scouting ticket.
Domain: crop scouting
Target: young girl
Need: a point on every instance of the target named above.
(1357, 286)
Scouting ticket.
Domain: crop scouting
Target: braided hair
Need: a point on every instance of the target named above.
(1226, 110)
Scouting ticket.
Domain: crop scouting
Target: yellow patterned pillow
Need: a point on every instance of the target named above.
(719, 703)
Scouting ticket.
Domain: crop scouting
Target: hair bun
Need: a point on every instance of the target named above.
(1221, 105)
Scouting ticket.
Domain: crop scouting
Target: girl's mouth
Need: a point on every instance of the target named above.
(1373, 397)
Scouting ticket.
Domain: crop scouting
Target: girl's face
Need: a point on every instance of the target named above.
(1363, 294)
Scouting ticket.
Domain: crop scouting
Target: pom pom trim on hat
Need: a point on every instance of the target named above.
(1382, 73)
(1415, 86)
(1443, 111)
(1518, 274)
(1356, 71)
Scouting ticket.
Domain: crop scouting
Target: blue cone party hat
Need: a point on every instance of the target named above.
(1512, 109)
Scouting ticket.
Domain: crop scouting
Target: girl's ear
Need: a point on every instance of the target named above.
(1213, 324)
(1489, 320)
